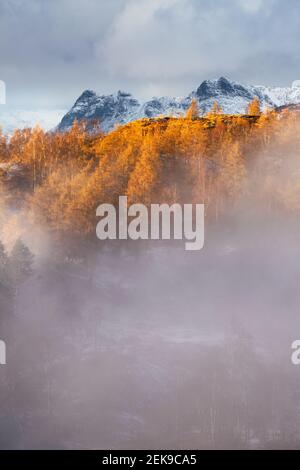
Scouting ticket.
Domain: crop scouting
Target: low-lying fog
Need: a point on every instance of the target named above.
(156, 347)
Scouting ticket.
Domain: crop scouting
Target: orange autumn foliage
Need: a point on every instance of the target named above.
(220, 160)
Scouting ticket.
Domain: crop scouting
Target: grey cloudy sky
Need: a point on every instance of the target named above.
(51, 50)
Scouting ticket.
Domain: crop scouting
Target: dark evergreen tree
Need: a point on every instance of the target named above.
(6, 291)
(20, 263)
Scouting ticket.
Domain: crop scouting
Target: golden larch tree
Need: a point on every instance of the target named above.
(254, 107)
(193, 110)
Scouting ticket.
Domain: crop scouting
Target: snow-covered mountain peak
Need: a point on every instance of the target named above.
(107, 109)
(222, 87)
(122, 107)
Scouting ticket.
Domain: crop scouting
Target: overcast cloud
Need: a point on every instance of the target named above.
(50, 51)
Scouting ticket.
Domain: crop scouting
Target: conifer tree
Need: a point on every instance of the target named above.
(216, 109)
(254, 108)
(20, 263)
(6, 290)
(193, 110)
(234, 171)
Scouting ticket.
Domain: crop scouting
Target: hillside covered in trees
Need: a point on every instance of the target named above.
(155, 347)
(227, 162)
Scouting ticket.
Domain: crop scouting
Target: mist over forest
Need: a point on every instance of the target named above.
(141, 344)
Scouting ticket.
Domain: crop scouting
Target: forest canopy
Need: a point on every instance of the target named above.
(224, 161)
